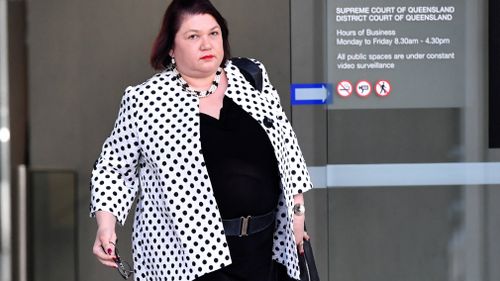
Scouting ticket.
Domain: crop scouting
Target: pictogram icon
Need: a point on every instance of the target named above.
(344, 88)
(363, 88)
(383, 88)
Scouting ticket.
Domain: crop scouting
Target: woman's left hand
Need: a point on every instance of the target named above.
(299, 233)
(298, 225)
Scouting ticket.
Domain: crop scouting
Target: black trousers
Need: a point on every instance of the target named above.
(277, 273)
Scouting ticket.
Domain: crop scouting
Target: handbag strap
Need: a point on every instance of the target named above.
(250, 70)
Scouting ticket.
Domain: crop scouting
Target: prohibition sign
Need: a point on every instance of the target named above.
(383, 88)
(363, 88)
(344, 88)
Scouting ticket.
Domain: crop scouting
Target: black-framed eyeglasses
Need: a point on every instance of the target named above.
(124, 267)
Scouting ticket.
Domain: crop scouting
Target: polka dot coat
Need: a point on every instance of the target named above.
(154, 152)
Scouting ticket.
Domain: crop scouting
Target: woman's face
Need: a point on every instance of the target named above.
(198, 48)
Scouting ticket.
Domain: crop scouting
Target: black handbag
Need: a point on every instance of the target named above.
(250, 70)
(307, 265)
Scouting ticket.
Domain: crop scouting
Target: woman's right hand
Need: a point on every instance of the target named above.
(104, 245)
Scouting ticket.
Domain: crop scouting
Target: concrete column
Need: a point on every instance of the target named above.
(474, 132)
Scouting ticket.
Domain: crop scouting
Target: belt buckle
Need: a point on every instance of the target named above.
(244, 226)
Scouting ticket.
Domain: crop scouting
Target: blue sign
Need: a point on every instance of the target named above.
(302, 94)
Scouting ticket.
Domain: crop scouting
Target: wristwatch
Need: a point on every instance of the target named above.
(299, 209)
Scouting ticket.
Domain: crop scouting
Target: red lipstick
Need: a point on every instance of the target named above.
(207, 57)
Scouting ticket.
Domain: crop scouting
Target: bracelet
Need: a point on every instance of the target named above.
(299, 209)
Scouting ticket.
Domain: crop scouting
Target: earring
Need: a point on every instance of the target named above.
(173, 61)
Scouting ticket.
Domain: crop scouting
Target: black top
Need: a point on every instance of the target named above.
(244, 174)
(240, 161)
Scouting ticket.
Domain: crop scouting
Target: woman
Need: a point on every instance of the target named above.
(215, 162)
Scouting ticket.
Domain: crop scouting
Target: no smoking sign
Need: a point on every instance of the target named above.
(344, 88)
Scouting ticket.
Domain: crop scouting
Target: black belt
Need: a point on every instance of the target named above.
(248, 225)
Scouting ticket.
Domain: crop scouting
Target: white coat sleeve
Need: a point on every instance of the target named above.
(115, 181)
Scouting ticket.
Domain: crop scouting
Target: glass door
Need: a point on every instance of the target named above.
(399, 158)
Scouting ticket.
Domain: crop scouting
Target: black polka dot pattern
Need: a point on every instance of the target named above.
(154, 152)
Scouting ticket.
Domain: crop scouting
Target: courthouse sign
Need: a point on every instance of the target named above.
(415, 45)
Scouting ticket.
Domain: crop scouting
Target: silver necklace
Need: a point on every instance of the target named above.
(201, 94)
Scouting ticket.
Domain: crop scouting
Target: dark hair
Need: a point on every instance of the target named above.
(160, 54)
